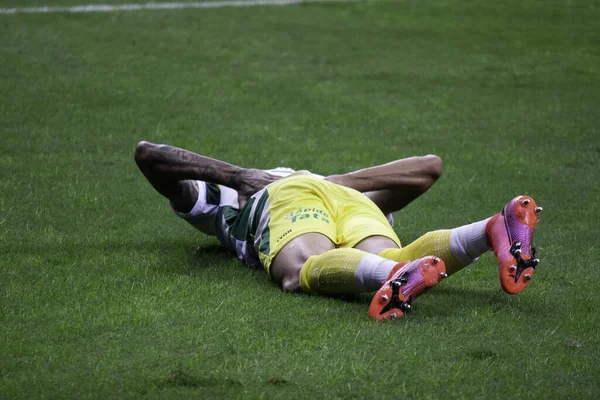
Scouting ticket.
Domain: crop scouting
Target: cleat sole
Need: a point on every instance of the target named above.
(510, 234)
(406, 282)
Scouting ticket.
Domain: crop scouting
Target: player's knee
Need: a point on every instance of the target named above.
(291, 284)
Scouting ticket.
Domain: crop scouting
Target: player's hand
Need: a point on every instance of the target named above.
(250, 181)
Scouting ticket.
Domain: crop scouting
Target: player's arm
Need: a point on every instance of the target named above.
(394, 185)
(170, 170)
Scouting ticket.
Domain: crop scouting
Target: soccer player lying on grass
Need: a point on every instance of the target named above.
(330, 235)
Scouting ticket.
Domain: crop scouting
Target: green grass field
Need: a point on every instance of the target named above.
(104, 293)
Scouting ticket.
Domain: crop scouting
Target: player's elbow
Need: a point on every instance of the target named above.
(143, 153)
(433, 165)
(431, 170)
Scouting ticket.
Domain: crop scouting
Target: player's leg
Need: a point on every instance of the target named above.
(458, 247)
(310, 263)
(298, 245)
(347, 269)
(362, 231)
(298, 250)
(394, 185)
(509, 234)
(289, 261)
(350, 270)
(404, 282)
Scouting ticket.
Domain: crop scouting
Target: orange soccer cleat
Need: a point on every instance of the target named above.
(510, 234)
(406, 282)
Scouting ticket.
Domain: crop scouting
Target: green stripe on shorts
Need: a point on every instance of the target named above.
(265, 242)
(265, 237)
(260, 206)
(240, 229)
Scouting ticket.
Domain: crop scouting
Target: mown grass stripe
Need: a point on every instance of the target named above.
(94, 8)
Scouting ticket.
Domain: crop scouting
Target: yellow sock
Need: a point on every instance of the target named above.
(436, 243)
(344, 271)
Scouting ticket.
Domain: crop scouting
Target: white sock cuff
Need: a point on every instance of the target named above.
(371, 271)
(468, 242)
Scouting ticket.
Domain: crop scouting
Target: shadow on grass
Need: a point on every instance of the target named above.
(184, 378)
(187, 257)
(170, 255)
(455, 295)
(213, 257)
(448, 301)
(211, 384)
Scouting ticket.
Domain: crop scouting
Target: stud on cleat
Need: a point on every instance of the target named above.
(510, 234)
(443, 275)
(538, 210)
(527, 277)
(406, 282)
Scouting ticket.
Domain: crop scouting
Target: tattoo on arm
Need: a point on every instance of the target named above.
(181, 164)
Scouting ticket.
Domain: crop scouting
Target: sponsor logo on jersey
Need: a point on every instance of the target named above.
(308, 214)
